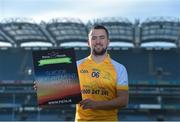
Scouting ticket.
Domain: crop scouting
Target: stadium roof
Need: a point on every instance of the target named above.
(24, 32)
(65, 32)
(68, 32)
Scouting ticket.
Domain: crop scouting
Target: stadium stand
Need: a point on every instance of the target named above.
(153, 72)
(161, 31)
(67, 31)
(5, 41)
(23, 31)
(121, 31)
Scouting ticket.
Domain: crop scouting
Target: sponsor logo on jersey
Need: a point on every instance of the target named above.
(83, 71)
(107, 76)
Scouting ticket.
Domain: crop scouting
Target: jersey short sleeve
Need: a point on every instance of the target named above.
(122, 76)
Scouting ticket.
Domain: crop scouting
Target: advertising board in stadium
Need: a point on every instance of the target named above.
(57, 77)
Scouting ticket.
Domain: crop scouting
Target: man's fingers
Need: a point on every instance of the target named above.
(86, 107)
(84, 102)
(35, 86)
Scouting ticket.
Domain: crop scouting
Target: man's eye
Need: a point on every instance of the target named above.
(94, 38)
(102, 37)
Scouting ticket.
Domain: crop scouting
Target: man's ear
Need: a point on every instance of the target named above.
(88, 43)
(108, 42)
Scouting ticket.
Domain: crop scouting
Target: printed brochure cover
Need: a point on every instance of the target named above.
(57, 77)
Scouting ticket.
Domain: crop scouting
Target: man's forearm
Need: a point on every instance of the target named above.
(119, 102)
(111, 104)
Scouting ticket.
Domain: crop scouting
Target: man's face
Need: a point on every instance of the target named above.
(98, 41)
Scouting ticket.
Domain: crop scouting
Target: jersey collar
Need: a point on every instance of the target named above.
(106, 60)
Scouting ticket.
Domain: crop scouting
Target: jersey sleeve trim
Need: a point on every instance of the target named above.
(122, 76)
(80, 61)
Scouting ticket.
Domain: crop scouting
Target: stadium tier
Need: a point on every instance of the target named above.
(160, 30)
(65, 31)
(22, 32)
(4, 40)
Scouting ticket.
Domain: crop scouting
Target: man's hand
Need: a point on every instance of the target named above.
(88, 104)
(35, 86)
(117, 103)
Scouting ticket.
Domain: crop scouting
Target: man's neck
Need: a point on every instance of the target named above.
(99, 58)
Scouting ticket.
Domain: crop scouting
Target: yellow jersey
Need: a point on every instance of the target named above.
(100, 81)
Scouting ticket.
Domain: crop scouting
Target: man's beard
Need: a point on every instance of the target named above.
(99, 53)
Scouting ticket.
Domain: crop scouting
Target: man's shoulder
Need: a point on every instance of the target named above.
(81, 61)
(117, 65)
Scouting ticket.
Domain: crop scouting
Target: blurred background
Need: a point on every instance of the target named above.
(145, 37)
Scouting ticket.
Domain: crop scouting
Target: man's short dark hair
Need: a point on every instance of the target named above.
(101, 27)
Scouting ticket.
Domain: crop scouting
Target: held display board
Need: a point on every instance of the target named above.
(56, 75)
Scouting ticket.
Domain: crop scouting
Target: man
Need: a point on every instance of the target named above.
(104, 82)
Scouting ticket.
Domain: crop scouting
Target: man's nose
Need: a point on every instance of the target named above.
(98, 40)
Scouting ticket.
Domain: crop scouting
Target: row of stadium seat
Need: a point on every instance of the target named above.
(143, 66)
(23, 106)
